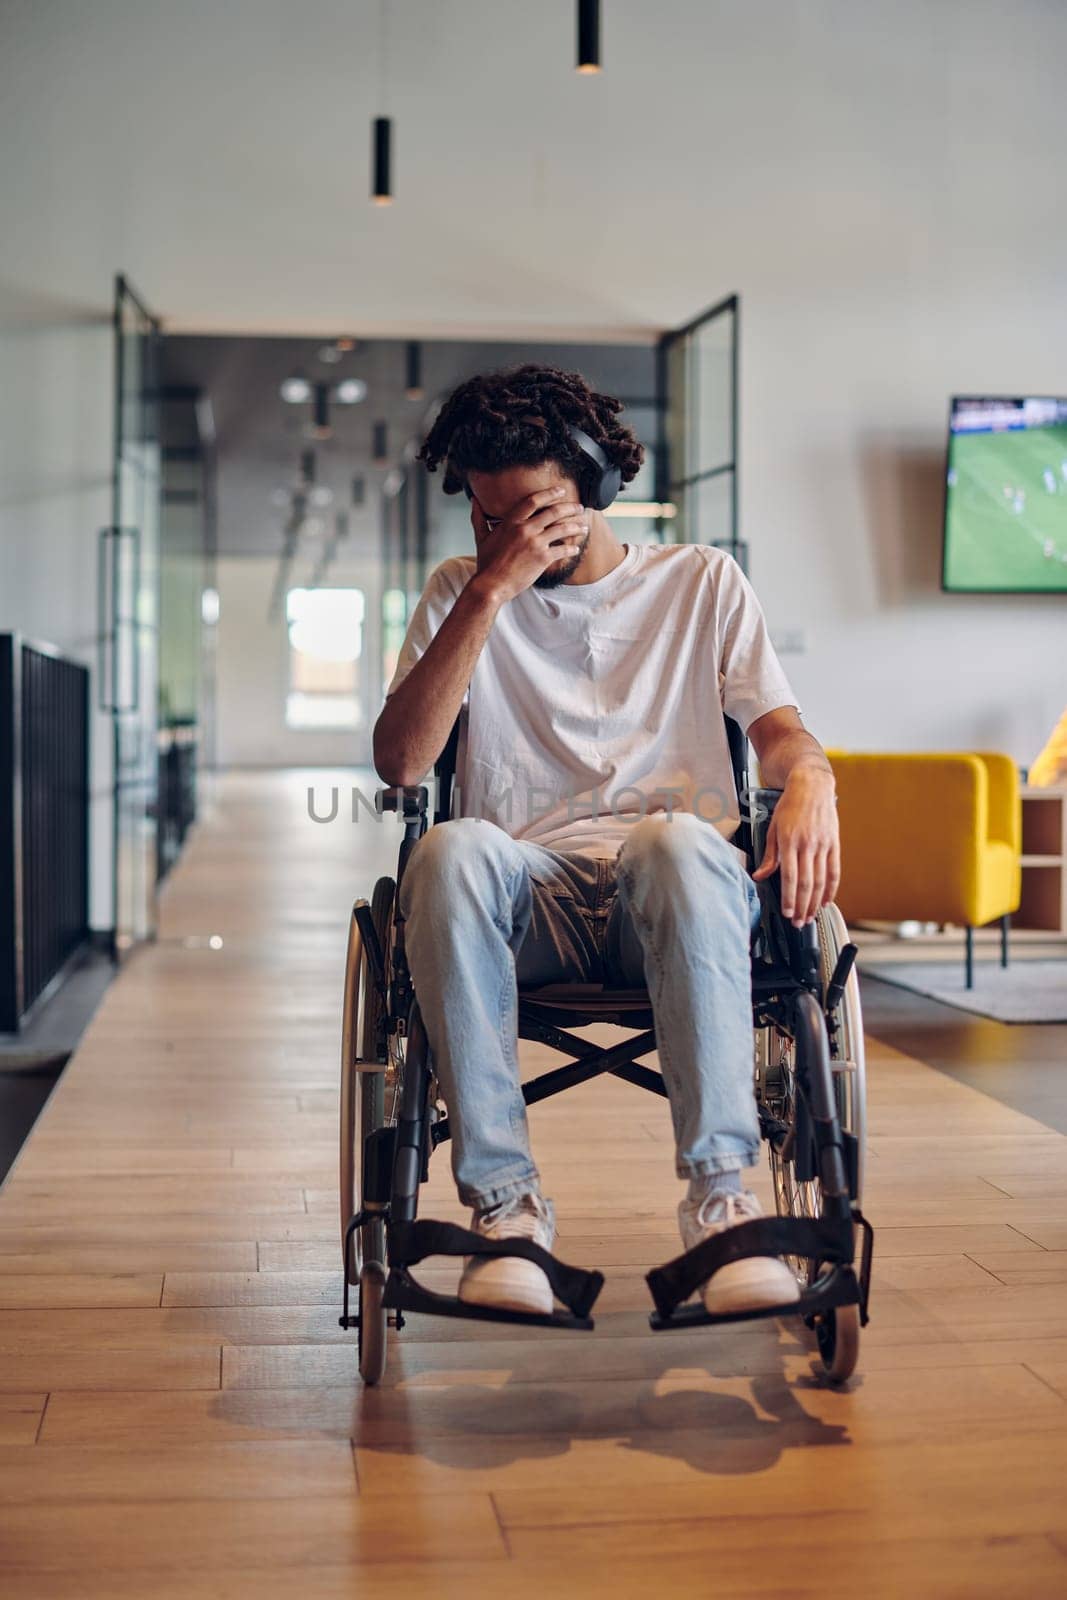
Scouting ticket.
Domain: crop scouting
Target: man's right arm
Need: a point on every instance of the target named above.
(417, 718)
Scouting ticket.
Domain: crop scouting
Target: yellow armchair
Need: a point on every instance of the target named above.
(932, 836)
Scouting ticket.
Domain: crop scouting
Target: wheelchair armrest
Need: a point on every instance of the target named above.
(411, 800)
(757, 807)
(756, 796)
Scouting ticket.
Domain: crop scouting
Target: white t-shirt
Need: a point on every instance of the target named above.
(594, 704)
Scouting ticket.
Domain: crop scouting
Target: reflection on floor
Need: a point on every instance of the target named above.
(1020, 1065)
(180, 1412)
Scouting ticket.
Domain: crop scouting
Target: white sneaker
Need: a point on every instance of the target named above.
(745, 1285)
(509, 1283)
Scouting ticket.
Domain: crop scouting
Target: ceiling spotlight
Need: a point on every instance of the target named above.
(280, 497)
(588, 35)
(329, 354)
(320, 496)
(295, 391)
(350, 391)
(413, 385)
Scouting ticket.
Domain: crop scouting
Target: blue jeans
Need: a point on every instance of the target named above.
(674, 912)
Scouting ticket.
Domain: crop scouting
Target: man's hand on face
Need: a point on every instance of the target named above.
(803, 840)
(541, 529)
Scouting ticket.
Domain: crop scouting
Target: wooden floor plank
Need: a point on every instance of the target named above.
(20, 1417)
(974, 1568)
(80, 1289)
(74, 1367)
(209, 1536)
(275, 1469)
(161, 1328)
(68, 1259)
(252, 1288)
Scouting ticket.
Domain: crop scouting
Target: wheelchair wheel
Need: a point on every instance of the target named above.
(848, 1058)
(367, 1071)
(372, 1322)
(797, 1190)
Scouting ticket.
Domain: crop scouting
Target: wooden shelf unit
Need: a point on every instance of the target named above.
(1043, 906)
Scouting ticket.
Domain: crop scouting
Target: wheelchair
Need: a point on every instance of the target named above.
(809, 1082)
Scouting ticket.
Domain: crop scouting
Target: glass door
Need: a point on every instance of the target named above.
(698, 382)
(130, 584)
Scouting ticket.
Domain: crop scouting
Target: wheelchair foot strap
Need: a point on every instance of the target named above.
(411, 1242)
(823, 1240)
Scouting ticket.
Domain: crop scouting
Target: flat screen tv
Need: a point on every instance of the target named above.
(1006, 496)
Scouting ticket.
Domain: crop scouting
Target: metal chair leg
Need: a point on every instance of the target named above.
(969, 958)
(1005, 924)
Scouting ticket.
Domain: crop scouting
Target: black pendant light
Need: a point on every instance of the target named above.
(321, 414)
(382, 193)
(381, 444)
(382, 143)
(413, 389)
(588, 35)
(359, 491)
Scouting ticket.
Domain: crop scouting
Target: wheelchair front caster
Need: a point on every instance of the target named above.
(837, 1334)
(372, 1322)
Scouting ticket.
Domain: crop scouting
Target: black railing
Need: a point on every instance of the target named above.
(44, 821)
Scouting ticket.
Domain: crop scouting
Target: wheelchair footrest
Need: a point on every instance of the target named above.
(403, 1293)
(826, 1239)
(835, 1288)
(411, 1242)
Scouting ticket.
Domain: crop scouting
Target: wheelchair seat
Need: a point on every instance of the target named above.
(586, 1003)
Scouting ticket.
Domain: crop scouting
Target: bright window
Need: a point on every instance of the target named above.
(325, 647)
(394, 625)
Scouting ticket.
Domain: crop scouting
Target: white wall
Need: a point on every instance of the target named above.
(253, 670)
(882, 183)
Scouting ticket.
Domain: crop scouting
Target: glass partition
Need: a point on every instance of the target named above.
(699, 377)
(130, 589)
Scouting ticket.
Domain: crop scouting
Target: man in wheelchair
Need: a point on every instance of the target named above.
(590, 837)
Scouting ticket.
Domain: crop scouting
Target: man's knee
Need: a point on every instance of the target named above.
(676, 846)
(457, 852)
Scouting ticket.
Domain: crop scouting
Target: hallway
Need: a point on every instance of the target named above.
(180, 1414)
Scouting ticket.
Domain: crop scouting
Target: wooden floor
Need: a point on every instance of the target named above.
(180, 1414)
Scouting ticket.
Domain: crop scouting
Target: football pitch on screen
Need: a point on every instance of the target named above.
(1007, 511)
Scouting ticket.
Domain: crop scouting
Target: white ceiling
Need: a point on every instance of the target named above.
(220, 155)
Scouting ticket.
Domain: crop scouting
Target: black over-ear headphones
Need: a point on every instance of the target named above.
(608, 480)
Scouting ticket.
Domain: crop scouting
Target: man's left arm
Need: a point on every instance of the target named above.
(802, 837)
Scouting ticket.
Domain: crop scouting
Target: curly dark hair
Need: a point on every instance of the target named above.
(517, 417)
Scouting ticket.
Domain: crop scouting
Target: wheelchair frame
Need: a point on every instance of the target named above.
(800, 980)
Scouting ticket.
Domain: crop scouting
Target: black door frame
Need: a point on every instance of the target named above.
(668, 482)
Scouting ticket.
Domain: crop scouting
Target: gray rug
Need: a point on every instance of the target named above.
(1027, 991)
